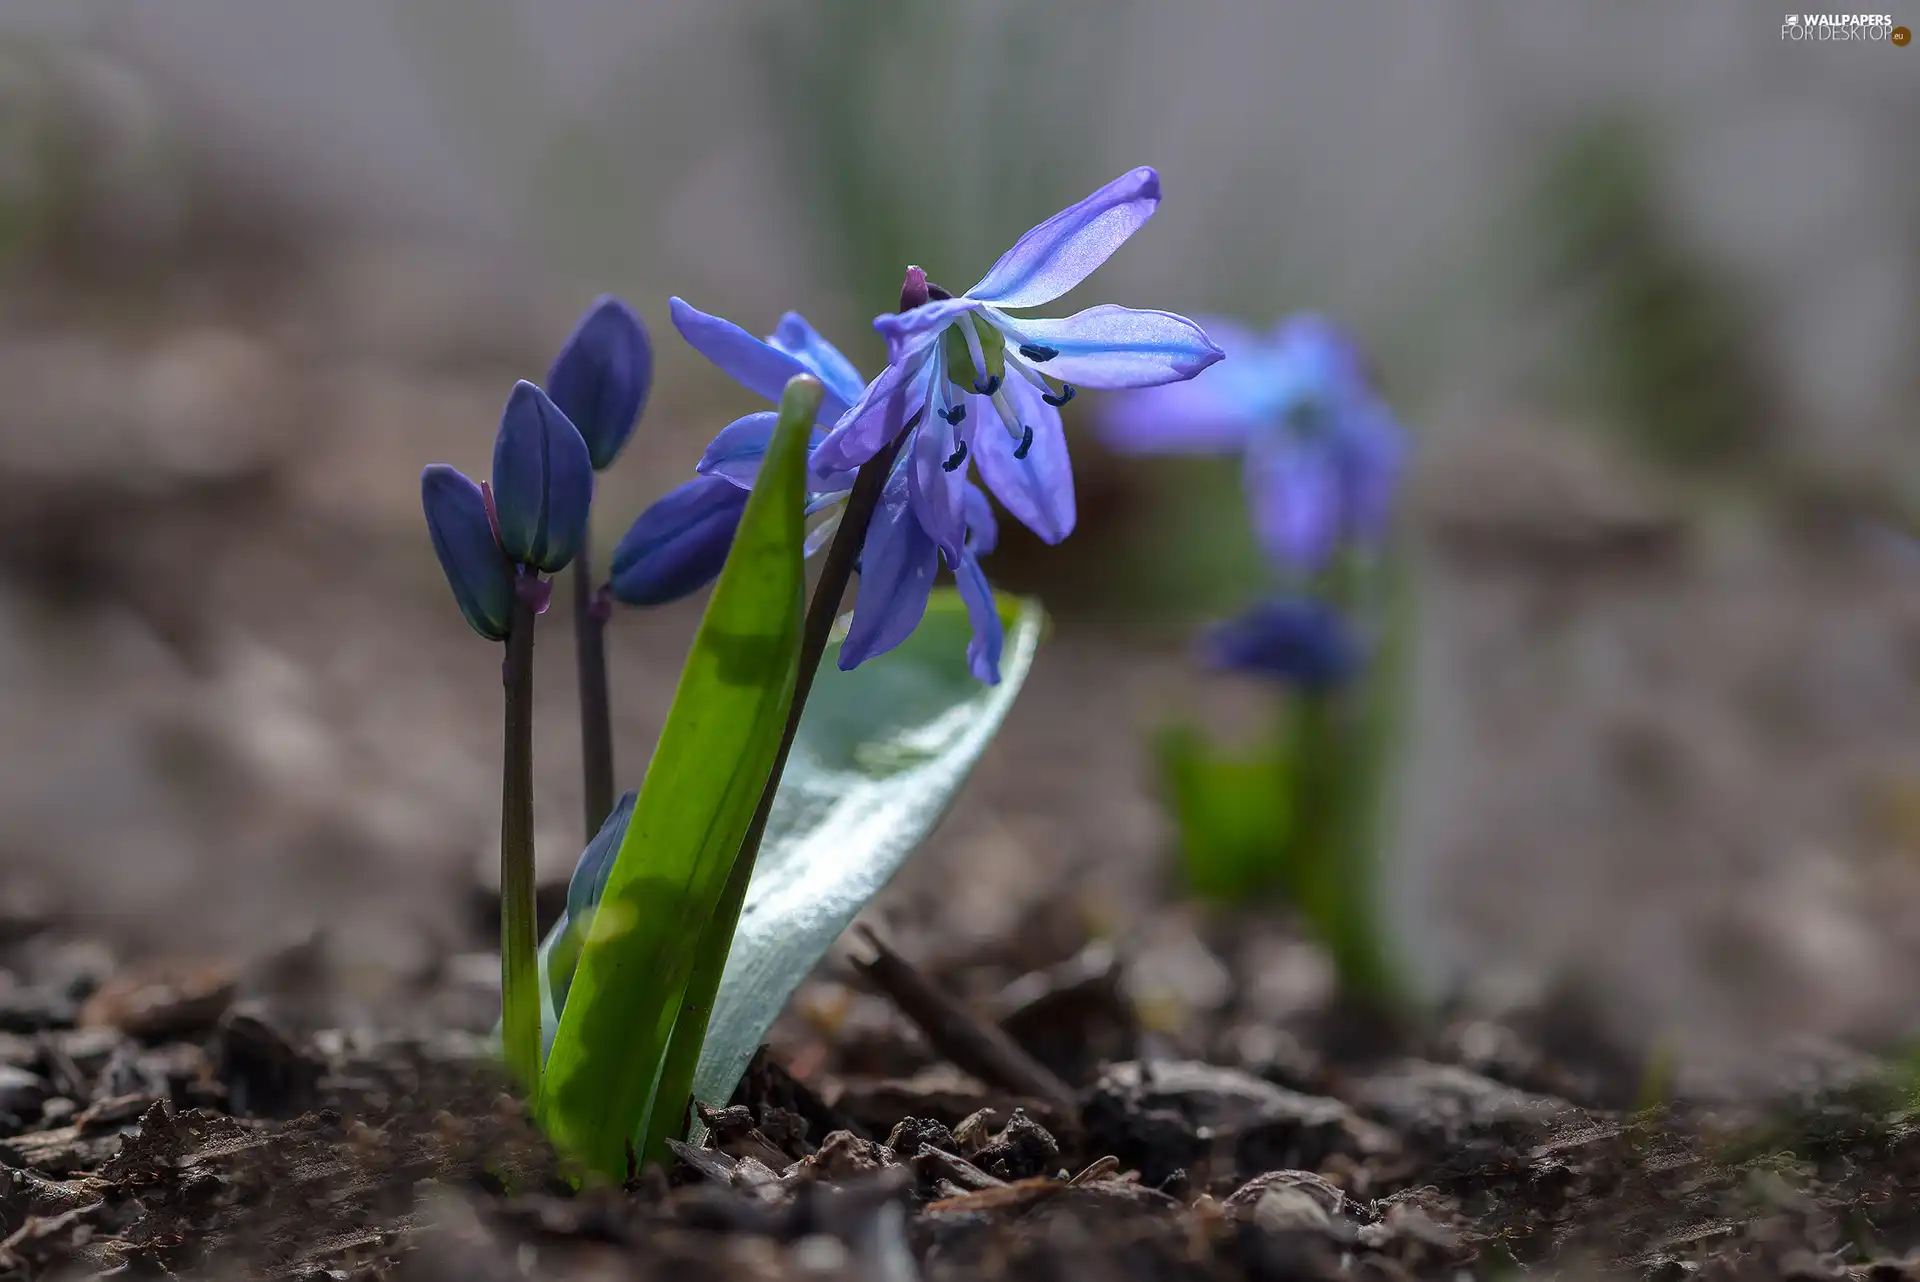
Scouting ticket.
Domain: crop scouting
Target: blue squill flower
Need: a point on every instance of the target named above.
(987, 386)
(496, 541)
(601, 377)
(1297, 641)
(680, 543)
(1323, 453)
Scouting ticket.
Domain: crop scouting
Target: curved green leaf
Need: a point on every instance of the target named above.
(881, 755)
(712, 762)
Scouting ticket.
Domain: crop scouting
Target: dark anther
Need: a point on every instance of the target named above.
(992, 385)
(936, 293)
(1026, 443)
(1066, 394)
(959, 457)
(1037, 354)
(954, 415)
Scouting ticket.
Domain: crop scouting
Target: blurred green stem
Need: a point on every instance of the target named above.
(596, 719)
(675, 1092)
(519, 976)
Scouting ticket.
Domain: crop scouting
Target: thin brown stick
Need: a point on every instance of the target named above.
(973, 1045)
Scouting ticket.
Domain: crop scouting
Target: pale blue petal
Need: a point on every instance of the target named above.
(1037, 489)
(1211, 413)
(1295, 495)
(737, 450)
(1064, 250)
(801, 341)
(1198, 416)
(1326, 353)
(1116, 347)
(983, 528)
(889, 404)
(989, 633)
(897, 566)
(903, 327)
(938, 495)
(757, 366)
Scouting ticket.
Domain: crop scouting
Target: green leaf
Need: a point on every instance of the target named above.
(714, 755)
(881, 755)
(1233, 815)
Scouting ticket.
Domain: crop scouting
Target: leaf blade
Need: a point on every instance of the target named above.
(858, 797)
(712, 761)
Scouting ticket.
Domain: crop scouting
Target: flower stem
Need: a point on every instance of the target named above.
(675, 1091)
(596, 723)
(519, 977)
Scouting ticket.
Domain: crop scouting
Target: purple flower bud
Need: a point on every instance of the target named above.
(478, 571)
(602, 376)
(913, 291)
(678, 545)
(1301, 643)
(542, 481)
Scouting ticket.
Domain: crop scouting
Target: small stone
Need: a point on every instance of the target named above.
(1290, 1210)
(22, 1093)
(33, 1009)
(1443, 1105)
(1332, 1199)
(821, 1254)
(1167, 1115)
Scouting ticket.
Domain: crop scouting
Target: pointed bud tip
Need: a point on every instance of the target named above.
(913, 291)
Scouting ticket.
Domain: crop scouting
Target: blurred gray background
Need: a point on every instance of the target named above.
(1643, 280)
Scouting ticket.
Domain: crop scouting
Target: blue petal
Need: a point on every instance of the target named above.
(542, 481)
(1373, 453)
(757, 366)
(477, 570)
(897, 565)
(1064, 250)
(937, 495)
(800, 341)
(679, 544)
(1297, 510)
(1323, 349)
(1300, 642)
(740, 446)
(989, 633)
(983, 529)
(1115, 347)
(596, 861)
(1037, 489)
(1211, 413)
(902, 327)
(601, 378)
(889, 403)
